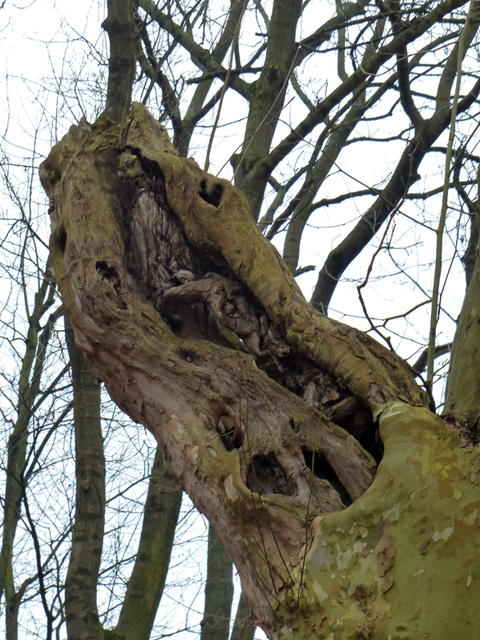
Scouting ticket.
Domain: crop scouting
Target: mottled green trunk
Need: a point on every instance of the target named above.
(402, 562)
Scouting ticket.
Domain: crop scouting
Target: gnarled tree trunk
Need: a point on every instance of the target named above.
(267, 410)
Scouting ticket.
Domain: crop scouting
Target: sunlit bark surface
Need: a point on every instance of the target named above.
(267, 410)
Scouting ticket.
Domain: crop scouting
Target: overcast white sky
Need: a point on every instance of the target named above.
(43, 40)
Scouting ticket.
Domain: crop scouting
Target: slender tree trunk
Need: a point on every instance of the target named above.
(145, 587)
(120, 27)
(243, 627)
(267, 97)
(463, 389)
(33, 361)
(87, 540)
(218, 591)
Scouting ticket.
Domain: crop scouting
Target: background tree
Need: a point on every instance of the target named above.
(396, 69)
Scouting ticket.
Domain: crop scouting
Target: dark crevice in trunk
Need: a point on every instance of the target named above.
(201, 299)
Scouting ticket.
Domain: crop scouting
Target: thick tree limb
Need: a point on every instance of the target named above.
(201, 334)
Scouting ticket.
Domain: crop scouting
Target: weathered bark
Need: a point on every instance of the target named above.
(201, 334)
(402, 561)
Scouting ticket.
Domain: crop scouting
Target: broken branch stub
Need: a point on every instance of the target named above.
(200, 333)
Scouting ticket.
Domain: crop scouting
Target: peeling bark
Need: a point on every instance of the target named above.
(201, 334)
(402, 561)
